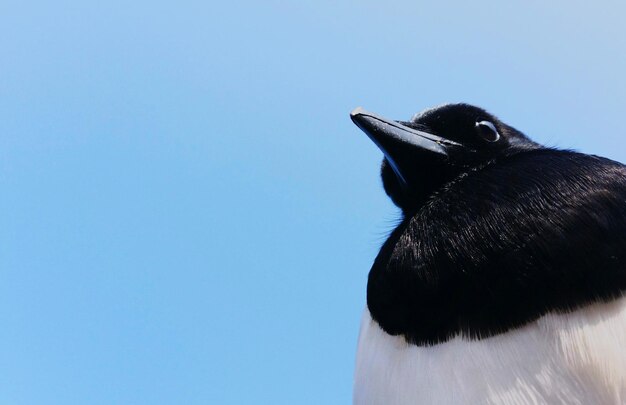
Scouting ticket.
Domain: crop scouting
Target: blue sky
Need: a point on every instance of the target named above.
(187, 214)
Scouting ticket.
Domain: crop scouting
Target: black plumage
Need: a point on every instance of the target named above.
(497, 230)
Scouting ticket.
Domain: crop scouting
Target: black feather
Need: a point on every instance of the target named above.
(500, 242)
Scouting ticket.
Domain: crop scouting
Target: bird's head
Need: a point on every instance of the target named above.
(435, 147)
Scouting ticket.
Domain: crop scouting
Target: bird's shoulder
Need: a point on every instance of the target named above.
(528, 188)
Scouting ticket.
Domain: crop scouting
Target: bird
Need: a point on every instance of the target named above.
(504, 281)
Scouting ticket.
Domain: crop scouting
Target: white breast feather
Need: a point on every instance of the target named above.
(576, 358)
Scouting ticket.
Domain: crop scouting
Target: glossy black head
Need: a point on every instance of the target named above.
(435, 147)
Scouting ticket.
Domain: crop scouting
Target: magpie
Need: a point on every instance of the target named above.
(504, 281)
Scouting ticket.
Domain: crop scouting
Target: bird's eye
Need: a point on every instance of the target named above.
(487, 131)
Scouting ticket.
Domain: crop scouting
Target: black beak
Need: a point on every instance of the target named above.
(402, 145)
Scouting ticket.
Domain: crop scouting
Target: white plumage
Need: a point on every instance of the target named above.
(576, 358)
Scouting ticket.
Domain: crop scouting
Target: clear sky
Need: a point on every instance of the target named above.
(187, 214)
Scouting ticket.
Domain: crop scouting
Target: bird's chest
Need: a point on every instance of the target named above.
(574, 358)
